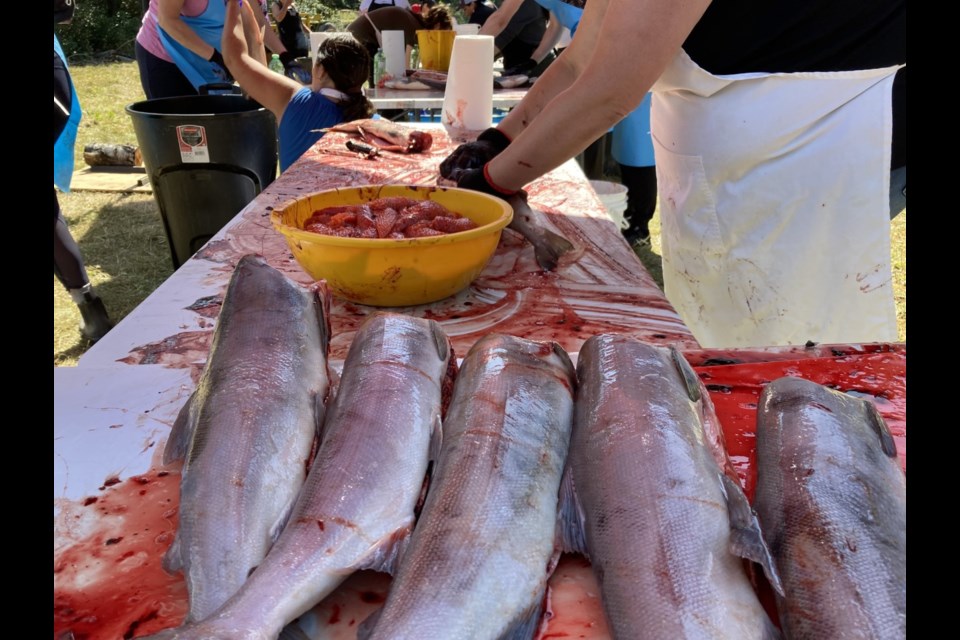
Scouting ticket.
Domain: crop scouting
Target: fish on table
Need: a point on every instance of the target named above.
(356, 508)
(485, 544)
(831, 497)
(246, 433)
(650, 497)
(387, 135)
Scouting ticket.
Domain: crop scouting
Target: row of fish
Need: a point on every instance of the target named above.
(620, 458)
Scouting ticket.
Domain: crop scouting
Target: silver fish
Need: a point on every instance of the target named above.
(479, 559)
(356, 508)
(247, 432)
(831, 496)
(650, 504)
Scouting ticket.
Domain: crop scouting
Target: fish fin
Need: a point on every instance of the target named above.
(879, 426)
(293, 632)
(549, 252)
(365, 628)
(386, 554)
(770, 630)
(527, 624)
(746, 538)
(569, 532)
(689, 376)
(172, 560)
(281, 522)
(436, 439)
(181, 434)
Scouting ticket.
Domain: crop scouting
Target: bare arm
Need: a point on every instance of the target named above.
(270, 89)
(168, 17)
(549, 40)
(270, 38)
(498, 20)
(279, 10)
(626, 45)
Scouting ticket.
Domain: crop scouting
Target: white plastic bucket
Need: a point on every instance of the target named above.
(613, 195)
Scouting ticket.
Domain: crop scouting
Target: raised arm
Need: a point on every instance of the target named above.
(270, 89)
(621, 48)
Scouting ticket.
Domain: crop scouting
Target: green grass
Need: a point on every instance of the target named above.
(122, 239)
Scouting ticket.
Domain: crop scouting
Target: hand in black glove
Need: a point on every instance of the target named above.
(522, 69)
(288, 58)
(220, 67)
(473, 155)
(479, 180)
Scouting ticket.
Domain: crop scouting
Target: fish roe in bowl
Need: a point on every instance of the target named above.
(393, 245)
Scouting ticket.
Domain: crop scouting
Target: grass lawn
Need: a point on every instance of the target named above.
(122, 239)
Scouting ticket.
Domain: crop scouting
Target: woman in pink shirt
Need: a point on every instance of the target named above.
(177, 47)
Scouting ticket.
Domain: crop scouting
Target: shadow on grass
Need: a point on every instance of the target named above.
(651, 260)
(124, 247)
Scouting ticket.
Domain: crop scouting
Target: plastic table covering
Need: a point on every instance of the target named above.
(115, 504)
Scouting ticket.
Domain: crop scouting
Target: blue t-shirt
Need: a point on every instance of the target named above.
(305, 111)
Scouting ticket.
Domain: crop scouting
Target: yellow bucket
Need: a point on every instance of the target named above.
(435, 48)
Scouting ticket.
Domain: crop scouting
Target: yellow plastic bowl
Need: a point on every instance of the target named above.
(395, 273)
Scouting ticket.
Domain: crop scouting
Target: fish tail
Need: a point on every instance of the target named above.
(553, 247)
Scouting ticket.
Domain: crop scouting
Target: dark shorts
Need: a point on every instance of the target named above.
(159, 78)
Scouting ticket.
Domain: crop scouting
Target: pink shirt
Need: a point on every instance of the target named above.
(149, 38)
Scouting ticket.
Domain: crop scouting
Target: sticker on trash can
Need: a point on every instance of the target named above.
(193, 143)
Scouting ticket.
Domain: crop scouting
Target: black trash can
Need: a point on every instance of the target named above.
(207, 157)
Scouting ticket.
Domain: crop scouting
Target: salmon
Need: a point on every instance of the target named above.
(247, 431)
(831, 497)
(484, 546)
(356, 508)
(387, 135)
(649, 499)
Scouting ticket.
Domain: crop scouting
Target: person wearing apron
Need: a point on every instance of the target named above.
(773, 129)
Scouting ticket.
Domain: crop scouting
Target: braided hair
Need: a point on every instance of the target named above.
(347, 64)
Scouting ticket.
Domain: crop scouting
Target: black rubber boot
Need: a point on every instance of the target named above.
(94, 322)
(641, 183)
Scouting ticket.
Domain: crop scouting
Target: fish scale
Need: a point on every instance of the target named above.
(479, 559)
(831, 496)
(643, 471)
(356, 507)
(247, 431)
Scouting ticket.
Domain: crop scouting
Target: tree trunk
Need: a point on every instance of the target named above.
(112, 155)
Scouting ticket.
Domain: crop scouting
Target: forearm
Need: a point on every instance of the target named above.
(550, 39)
(179, 31)
(609, 87)
(556, 79)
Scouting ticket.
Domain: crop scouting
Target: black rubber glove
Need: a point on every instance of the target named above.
(288, 58)
(479, 180)
(522, 69)
(220, 67)
(473, 155)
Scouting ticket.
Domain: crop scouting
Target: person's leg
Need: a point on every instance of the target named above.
(68, 265)
(159, 78)
(69, 269)
(641, 183)
(898, 191)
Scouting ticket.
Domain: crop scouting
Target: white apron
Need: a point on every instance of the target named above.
(774, 198)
